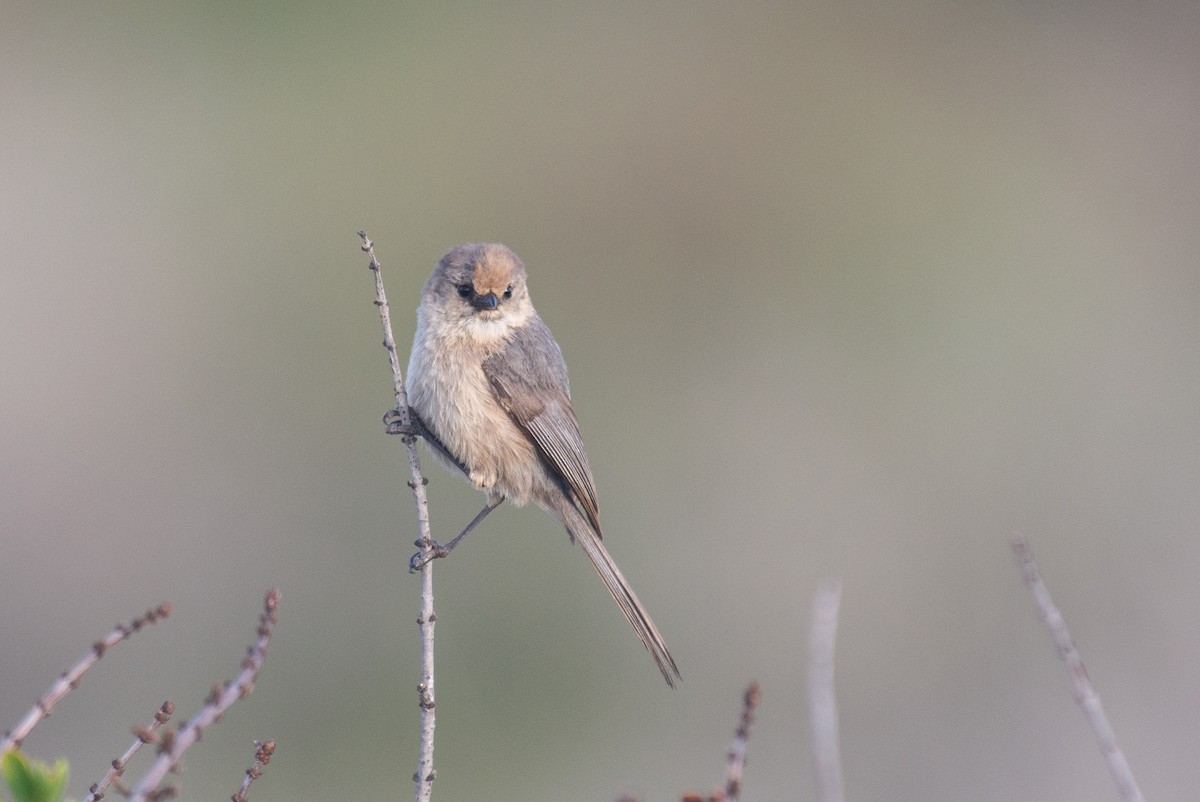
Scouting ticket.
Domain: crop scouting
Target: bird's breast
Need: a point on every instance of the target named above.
(448, 388)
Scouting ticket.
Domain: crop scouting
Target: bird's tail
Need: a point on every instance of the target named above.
(626, 599)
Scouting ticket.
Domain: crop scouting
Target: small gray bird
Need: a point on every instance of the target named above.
(488, 384)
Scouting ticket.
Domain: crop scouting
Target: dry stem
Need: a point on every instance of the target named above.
(173, 745)
(822, 701)
(1081, 684)
(70, 678)
(424, 775)
(145, 735)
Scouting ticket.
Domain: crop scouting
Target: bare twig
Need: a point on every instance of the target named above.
(735, 760)
(1081, 684)
(70, 678)
(262, 756)
(737, 751)
(424, 775)
(173, 745)
(145, 735)
(822, 702)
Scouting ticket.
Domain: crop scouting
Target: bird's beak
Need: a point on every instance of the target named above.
(486, 302)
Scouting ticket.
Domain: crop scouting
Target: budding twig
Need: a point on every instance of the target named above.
(145, 735)
(423, 777)
(736, 767)
(173, 745)
(70, 678)
(735, 760)
(262, 756)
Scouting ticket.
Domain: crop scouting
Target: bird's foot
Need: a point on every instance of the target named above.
(426, 555)
(397, 422)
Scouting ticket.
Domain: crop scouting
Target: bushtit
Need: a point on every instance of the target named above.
(488, 384)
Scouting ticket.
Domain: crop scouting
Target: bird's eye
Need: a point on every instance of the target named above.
(465, 290)
(508, 292)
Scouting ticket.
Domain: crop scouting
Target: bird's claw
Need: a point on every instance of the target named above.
(394, 421)
(426, 556)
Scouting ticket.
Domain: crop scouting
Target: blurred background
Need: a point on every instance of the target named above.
(848, 290)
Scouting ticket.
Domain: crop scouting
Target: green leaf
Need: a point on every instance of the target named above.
(33, 780)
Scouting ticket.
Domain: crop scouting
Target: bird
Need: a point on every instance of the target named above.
(488, 390)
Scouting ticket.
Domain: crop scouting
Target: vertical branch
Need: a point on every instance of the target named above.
(1081, 684)
(426, 619)
(735, 766)
(735, 758)
(822, 703)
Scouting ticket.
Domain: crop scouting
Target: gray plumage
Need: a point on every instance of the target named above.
(538, 398)
(488, 381)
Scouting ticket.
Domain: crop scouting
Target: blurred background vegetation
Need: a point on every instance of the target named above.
(847, 289)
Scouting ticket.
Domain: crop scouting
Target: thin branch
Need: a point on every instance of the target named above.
(262, 756)
(736, 765)
(70, 678)
(735, 760)
(145, 735)
(173, 745)
(1081, 685)
(822, 701)
(424, 775)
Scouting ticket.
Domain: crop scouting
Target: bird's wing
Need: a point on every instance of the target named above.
(529, 380)
(435, 444)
